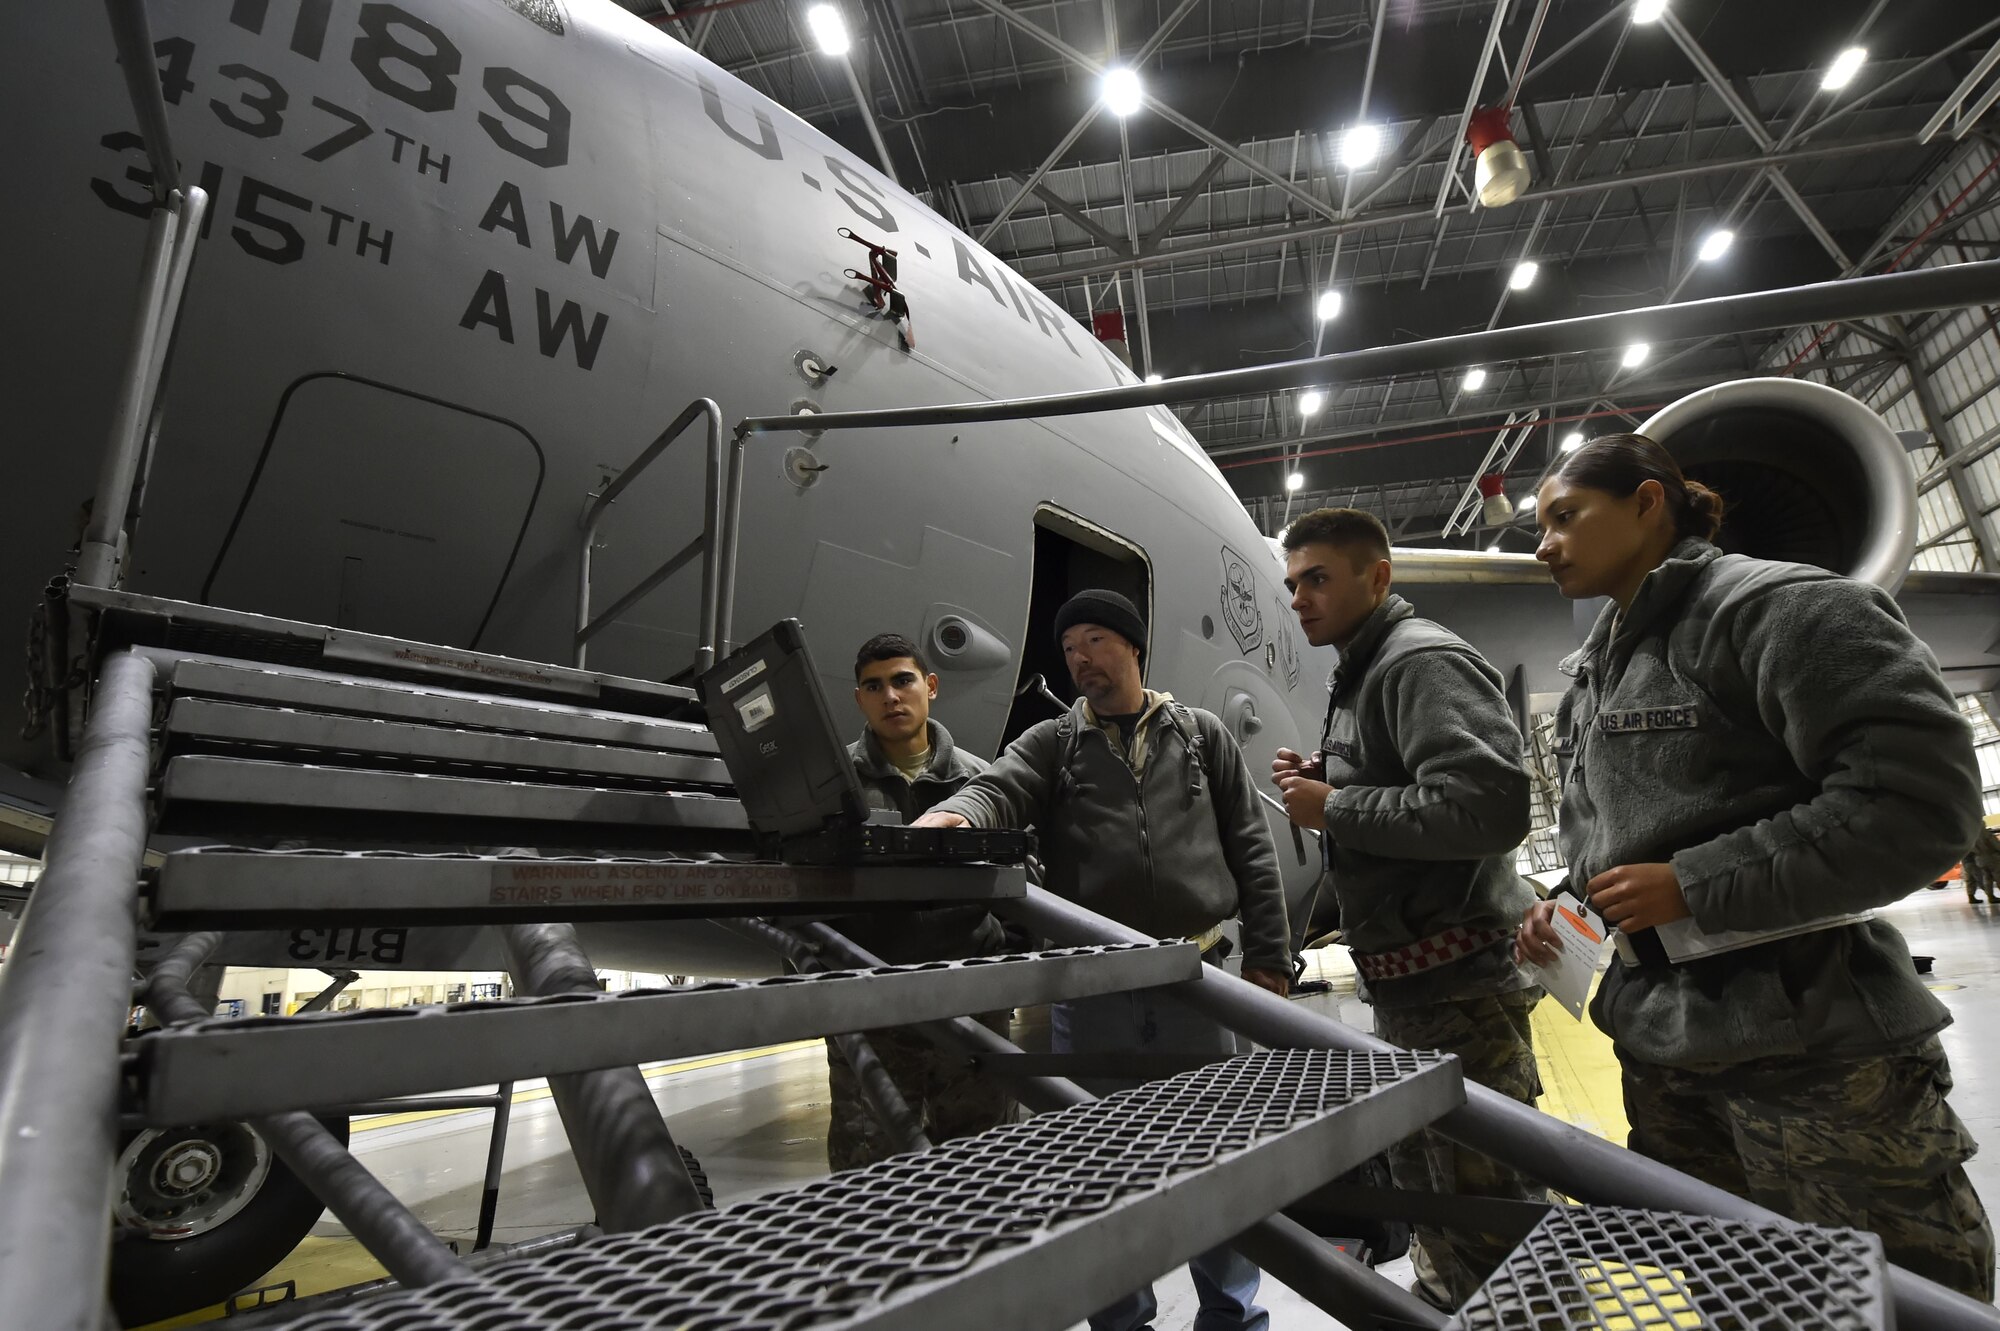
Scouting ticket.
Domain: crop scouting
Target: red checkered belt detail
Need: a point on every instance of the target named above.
(1437, 950)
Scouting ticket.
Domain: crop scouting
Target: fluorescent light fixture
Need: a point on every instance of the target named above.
(1328, 308)
(1475, 379)
(1527, 503)
(829, 29)
(1360, 145)
(1844, 67)
(1311, 401)
(1523, 275)
(1122, 94)
(1648, 11)
(1572, 441)
(1635, 355)
(1295, 481)
(1155, 377)
(1715, 244)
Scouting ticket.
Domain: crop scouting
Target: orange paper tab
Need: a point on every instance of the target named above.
(1581, 926)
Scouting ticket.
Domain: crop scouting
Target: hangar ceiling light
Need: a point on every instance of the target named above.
(1360, 145)
(1122, 93)
(829, 29)
(1844, 67)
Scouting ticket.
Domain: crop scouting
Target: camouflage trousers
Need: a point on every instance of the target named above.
(1491, 1037)
(947, 1097)
(1979, 878)
(1863, 1144)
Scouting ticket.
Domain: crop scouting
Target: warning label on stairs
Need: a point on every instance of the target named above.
(612, 883)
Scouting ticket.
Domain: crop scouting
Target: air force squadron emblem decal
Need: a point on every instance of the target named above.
(1239, 602)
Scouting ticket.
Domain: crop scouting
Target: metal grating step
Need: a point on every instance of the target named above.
(277, 795)
(157, 621)
(233, 887)
(240, 1068)
(434, 704)
(1029, 1227)
(211, 722)
(1588, 1266)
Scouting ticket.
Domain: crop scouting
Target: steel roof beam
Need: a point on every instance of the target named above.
(1158, 107)
(1403, 216)
(1084, 122)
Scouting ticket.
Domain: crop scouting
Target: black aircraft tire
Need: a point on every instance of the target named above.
(699, 1175)
(152, 1279)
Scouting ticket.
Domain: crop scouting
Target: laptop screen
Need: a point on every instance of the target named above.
(776, 736)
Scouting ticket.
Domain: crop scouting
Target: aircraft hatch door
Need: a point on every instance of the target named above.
(380, 510)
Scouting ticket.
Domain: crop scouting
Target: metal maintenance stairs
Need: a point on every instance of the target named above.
(260, 752)
(375, 786)
(379, 788)
(1030, 1226)
(383, 788)
(1611, 1269)
(183, 1074)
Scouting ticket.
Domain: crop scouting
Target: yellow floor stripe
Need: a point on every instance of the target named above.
(374, 1121)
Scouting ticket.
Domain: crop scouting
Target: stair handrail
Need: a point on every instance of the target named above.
(170, 245)
(65, 996)
(716, 544)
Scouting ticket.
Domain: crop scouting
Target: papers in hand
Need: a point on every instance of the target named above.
(1684, 940)
(1581, 940)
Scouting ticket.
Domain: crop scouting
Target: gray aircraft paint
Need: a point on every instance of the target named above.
(466, 259)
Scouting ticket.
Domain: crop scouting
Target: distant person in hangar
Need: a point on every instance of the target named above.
(1765, 748)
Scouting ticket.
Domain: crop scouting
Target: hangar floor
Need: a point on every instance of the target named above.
(758, 1119)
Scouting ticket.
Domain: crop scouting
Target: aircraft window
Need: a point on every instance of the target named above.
(545, 14)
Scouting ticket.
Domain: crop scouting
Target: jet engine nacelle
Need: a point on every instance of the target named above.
(1810, 475)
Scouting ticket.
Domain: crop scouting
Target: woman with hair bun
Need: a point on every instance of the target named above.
(1755, 754)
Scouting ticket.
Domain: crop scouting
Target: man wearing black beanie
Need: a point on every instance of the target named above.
(1147, 814)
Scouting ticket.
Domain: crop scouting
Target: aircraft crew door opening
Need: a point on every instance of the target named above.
(1071, 554)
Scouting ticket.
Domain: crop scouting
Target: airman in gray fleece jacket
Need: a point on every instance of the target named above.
(1143, 830)
(1422, 799)
(1147, 815)
(1813, 766)
(1764, 749)
(1429, 802)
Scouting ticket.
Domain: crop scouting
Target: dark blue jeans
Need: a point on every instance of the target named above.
(1147, 1022)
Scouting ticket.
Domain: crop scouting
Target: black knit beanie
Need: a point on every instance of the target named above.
(1105, 608)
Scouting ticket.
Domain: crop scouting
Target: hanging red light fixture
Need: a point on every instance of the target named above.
(1109, 326)
(1500, 169)
(1495, 507)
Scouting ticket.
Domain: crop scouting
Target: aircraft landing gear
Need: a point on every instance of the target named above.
(202, 1212)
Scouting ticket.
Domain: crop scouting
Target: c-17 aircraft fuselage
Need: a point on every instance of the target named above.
(463, 261)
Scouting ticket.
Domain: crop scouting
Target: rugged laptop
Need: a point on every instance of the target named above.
(793, 776)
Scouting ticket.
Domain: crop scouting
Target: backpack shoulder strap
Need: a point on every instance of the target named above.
(1066, 739)
(1183, 720)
